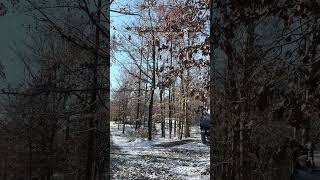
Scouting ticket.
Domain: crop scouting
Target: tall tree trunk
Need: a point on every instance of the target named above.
(311, 49)
(214, 174)
(124, 112)
(186, 106)
(107, 96)
(163, 132)
(153, 85)
(183, 114)
(186, 122)
(67, 136)
(146, 98)
(175, 127)
(170, 92)
(186, 92)
(181, 128)
(244, 99)
(170, 113)
(91, 154)
(123, 124)
(179, 115)
(241, 144)
(173, 111)
(138, 120)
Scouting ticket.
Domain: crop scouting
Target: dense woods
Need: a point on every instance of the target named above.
(265, 99)
(161, 49)
(166, 66)
(55, 124)
(254, 65)
(264, 78)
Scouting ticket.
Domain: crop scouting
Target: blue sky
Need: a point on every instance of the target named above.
(118, 21)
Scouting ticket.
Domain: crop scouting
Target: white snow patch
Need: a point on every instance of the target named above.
(143, 159)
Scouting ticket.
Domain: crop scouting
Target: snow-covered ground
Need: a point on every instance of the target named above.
(160, 158)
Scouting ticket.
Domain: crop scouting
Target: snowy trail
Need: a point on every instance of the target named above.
(158, 159)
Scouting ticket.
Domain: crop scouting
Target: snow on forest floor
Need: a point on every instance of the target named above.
(160, 158)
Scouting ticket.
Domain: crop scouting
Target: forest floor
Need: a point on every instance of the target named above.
(161, 158)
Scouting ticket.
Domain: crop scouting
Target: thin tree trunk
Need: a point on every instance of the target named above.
(214, 174)
(30, 159)
(243, 97)
(107, 95)
(181, 129)
(175, 127)
(153, 86)
(91, 159)
(163, 131)
(124, 110)
(241, 145)
(186, 92)
(67, 135)
(170, 113)
(186, 107)
(146, 98)
(138, 120)
(170, 92)
(173, 111)
(311, 49)
(138, 110)
(179, 126)
(180, 118)
(119, 115)
(123, 123)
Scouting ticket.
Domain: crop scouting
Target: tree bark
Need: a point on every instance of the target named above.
(138, 120)
(163, 131)
(170, 93)
(214, 174)
(173, 111)
(153, 86)
(91, 155)
(186, 107)
(170, 113)
(244, 98)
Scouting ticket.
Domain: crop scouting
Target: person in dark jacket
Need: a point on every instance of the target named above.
(205, 121)
(204, 125)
